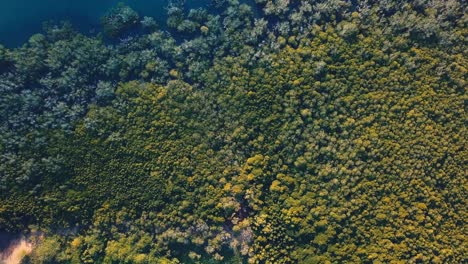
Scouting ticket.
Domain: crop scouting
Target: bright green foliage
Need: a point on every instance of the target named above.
(341, 142)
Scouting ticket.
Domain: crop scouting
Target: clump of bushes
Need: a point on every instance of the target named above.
(119, 20)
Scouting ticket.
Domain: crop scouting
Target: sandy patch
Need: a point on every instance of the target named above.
(15, 253)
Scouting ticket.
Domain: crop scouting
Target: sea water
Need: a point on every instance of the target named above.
(19, 19)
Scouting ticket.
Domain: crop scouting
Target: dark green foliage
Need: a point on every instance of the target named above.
(119, 20)
(317, 133)
(4, 58)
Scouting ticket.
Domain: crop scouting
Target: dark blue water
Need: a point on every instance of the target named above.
(19, 19)
(6, 239)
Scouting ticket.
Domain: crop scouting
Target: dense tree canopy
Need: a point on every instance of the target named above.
(286, 132)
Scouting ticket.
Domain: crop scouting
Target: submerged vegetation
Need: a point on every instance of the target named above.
(285, 132)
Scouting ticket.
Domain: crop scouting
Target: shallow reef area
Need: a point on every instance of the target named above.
(266, 131)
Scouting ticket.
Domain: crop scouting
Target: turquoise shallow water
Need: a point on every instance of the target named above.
(19, 19)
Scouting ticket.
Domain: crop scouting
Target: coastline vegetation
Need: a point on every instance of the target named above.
(311, 132)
